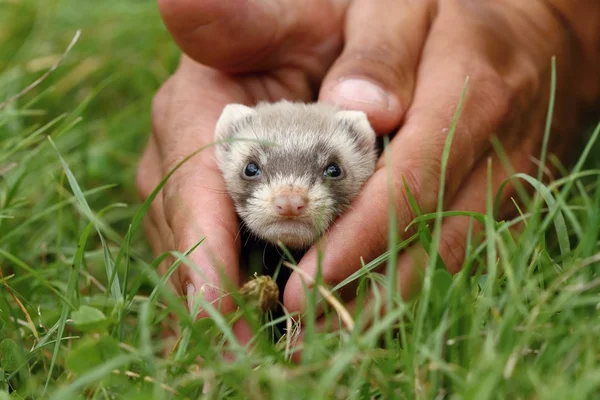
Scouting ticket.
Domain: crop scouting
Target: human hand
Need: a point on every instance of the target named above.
(266, 57)
(505, 48)
(269, 57)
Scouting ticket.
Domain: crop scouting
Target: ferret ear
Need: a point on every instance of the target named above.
(361, 129)
(231, 114)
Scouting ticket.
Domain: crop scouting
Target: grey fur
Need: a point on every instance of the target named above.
(293, 143)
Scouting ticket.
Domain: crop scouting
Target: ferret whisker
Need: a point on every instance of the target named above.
(264, 254)
(280, 253)
(239, 232)
(249, 236)
(310, 139)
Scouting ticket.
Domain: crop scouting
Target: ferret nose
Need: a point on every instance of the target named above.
(289, 205)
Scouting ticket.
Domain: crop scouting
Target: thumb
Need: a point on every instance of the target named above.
(376, 70)
(249, 36)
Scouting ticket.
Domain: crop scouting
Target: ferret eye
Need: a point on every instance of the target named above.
(332, 171)
(252, 170)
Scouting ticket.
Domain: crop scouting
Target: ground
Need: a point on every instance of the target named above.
(69, 215)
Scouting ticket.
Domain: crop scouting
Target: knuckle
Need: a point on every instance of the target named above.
(143, 180)
(160, 105)
(422, 179)
(163, 93)
(333, 276)
(452, 248)
(491, 92)
(141, 184)
(490, 106)
(172, 198)
(497, 97)
(173, 162)
(185, 162)
(413, 184)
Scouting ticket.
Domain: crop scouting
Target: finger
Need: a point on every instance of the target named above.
(416, 154)
(148, 177)
(453, 240)
(245, 36)
(195, 204)
(377, 68)
(473, 197)
(195, 213)
(170, 330)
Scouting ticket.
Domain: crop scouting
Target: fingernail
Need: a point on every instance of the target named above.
(360, 91)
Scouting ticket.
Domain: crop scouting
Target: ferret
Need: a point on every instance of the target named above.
(291, 168)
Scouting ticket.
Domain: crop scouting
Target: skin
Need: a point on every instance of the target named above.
(404, 63)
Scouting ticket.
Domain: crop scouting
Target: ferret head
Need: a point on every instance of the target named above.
(292, 168)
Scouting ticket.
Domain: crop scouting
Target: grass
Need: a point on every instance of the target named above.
(70, 327)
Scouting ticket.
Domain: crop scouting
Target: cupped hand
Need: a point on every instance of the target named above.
(234, 52)
(505, 48)
(402, 62)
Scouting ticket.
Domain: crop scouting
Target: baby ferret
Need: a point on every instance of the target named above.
(291, 168)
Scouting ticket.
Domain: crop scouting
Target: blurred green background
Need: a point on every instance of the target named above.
(122, 57)
(96, 109)
(101, 95)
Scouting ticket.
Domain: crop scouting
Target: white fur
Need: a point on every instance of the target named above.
(231, 114)
(296, 128)
(360, 122)
(262, 219)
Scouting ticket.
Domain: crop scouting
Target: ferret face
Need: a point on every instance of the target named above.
(292, 168)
